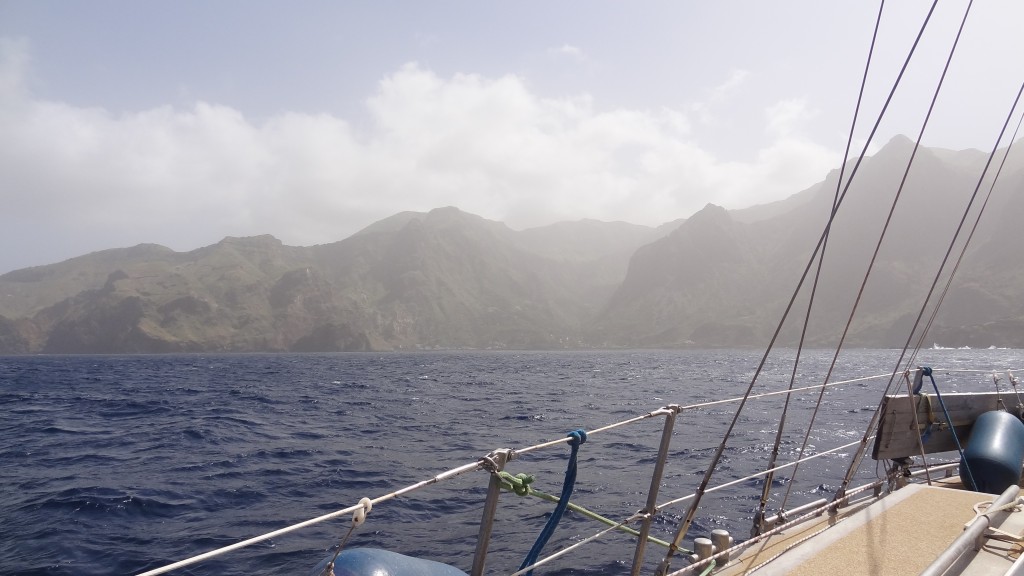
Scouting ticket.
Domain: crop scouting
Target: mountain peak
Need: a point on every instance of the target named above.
(710, 208)
(710, 214)
(898, 144)
(261, 240)
(447, 215)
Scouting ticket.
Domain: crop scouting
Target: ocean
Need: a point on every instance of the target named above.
(119, 464)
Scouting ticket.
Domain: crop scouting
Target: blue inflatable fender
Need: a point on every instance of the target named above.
(994, 453)
(375, 562)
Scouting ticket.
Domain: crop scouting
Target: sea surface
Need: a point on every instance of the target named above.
(119, 464)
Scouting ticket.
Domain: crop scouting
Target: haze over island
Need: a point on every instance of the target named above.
(447, 278)
(124, 123)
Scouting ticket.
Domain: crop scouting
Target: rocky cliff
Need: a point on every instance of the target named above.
(448, 279)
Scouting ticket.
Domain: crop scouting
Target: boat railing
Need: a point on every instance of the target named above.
(494, 462)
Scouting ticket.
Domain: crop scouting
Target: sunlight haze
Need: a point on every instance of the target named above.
(180, 123)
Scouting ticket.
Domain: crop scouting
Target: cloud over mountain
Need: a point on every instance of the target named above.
(76, 178)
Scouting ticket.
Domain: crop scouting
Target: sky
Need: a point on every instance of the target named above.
(179, 123)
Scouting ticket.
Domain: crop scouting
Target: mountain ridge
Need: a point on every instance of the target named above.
(450, 279)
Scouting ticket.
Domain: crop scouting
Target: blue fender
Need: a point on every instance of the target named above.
(376, 562)
(994, 453)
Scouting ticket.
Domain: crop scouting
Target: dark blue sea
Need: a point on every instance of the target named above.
(119, 464)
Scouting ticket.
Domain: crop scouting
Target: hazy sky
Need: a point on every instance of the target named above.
(183, 122)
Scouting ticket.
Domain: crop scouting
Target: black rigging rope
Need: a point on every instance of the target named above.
(970, 236)
(769, 477)
(691, 512)
(881, 237)
(917, 322)
(878, 245)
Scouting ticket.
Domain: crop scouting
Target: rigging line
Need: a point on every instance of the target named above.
(906, 345)
(688, 519)
(666, 410)
(638, 516)
(915, 422)
(766, 490)
(859, 455)
(519, 452)
(778, 392)
(963, 218)
(882, 234)
(756, 474)
(1013, 382)
(779, 528)
(970, 236)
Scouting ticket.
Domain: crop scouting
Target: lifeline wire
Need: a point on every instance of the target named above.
(478, 465)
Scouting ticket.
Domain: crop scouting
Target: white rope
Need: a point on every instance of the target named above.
(989, 510)
(351, 509)
(664, 411)
(788, 391)
(761, 473)
(535, 447)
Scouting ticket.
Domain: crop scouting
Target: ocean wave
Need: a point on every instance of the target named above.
(119, 464)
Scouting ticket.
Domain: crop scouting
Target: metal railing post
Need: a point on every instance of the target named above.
(495, 462)
(652, 495)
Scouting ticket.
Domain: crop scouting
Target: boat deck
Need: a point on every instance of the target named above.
(899, 534)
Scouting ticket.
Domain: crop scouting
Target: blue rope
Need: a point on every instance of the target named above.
(927, 371)
(578, 437)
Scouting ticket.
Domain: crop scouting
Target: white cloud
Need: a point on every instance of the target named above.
(570, 51)
(732, 83)
(788, 117)
(73, 179)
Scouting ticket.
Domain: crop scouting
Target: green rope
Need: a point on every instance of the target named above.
(520, 485)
